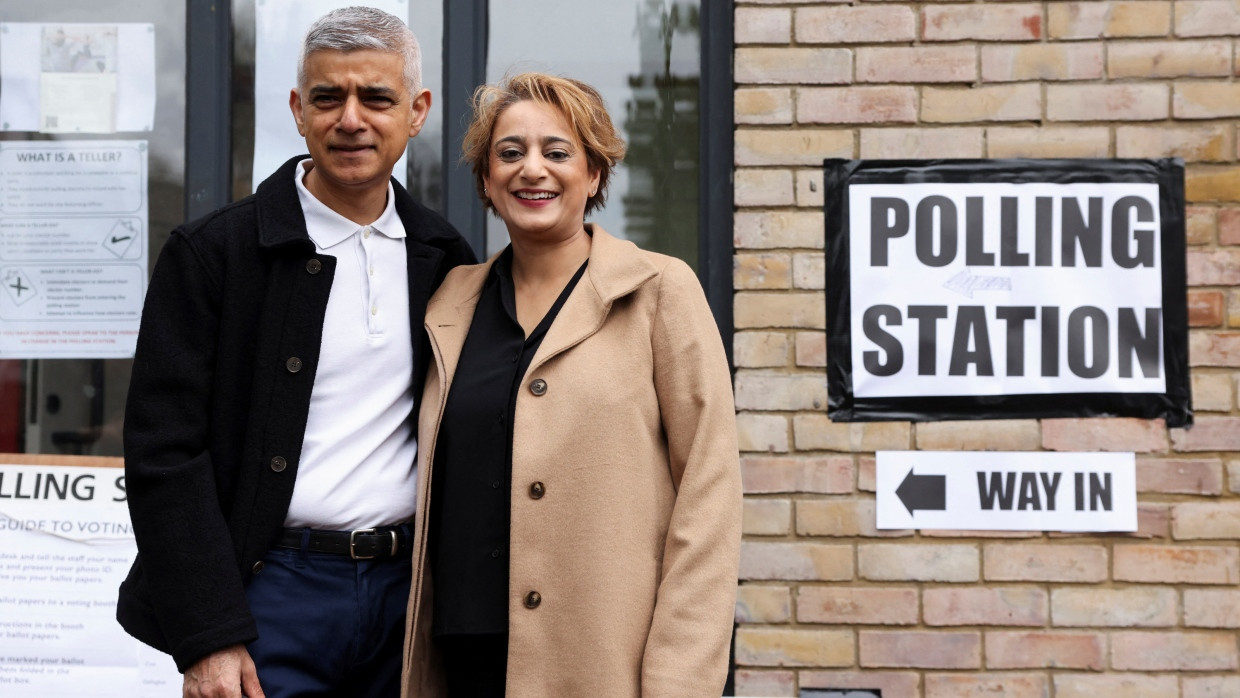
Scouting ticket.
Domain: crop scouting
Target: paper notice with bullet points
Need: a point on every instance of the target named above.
(73, 248)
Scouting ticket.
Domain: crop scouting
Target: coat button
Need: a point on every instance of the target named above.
(293, 364)
(537, 490)
(532, 599)
(278, 464)
(258, 567)
(538, 386)
(314, 266)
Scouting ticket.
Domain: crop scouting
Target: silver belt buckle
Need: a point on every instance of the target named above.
(369, 531)
(353, 543)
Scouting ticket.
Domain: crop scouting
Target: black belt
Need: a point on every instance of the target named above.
(362, 544)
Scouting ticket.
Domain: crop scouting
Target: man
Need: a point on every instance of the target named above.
(269, 432)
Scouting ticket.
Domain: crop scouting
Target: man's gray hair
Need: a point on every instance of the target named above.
(363, 28)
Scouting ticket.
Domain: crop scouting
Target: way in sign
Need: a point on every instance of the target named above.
(1027, 491)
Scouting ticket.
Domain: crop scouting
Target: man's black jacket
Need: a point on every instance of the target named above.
(217, 407)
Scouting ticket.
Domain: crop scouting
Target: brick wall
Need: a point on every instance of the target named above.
(825, 599)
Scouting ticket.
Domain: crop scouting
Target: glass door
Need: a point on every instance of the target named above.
(644, 56)
(100, 93)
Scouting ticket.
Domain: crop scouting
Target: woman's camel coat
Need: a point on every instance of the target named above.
(633, 545)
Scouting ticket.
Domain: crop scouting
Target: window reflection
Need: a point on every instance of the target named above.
(424, 162)
(644, 57)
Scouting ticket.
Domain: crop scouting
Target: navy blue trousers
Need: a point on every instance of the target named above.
(329, 626)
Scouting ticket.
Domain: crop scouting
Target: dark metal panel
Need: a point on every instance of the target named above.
(464, 66)
(208, 101)
(715, 219)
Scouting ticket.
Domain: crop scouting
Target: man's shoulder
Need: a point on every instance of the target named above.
(222, 229)
(237, 212)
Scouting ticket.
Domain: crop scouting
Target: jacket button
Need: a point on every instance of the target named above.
(314, 266)
(258, 567)
(538, 386)
(278, 464)
(532, 599)
(537, 490)
(293, 364)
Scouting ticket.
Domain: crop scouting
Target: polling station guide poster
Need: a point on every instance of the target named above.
(65, 546)
(984, 289)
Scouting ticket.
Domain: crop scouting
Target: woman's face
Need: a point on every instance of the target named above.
(539, 177)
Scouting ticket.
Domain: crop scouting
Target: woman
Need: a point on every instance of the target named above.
(579, 509)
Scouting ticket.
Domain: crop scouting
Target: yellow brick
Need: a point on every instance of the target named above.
(1169, 59)
(1206, 100)
(766, 517)
(1212, 184)
(1016, 102)
(1200, 224)
(763, 187)
(791, 146)
(1055, 61)
(1142, 18)
(809, 187)
(761, 271)
(763, 604)
(807, 66)
(760, 349)
(771, 229)
(1049, 142)
(763, 106)
(997, 435)
(815, 432)
(1212, 143)
(800, 310)
(948, 142)
(788, 647)
(763, 25)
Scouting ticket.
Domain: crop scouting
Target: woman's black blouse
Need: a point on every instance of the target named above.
(473, 461)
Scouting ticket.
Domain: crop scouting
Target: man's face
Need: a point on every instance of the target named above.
(357, 117)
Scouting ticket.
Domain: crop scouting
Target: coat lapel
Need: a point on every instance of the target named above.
(451, 311)
(616, 269)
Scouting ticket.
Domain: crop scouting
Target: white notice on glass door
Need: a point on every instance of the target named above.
(73, 248)
(65, 546)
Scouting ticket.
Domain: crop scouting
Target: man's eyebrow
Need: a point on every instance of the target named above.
(368, 90)
(377, 91)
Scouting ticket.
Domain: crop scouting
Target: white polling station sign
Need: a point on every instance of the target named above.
(991, 289)
(1006, 491)
(1006, 289)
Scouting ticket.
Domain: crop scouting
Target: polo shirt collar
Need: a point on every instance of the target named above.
(328, 228)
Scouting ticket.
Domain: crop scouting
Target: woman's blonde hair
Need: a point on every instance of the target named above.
(580, 104)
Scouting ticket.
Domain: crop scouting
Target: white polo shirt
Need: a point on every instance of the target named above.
(357, 467)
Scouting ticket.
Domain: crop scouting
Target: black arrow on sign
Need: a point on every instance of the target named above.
(926, 492)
